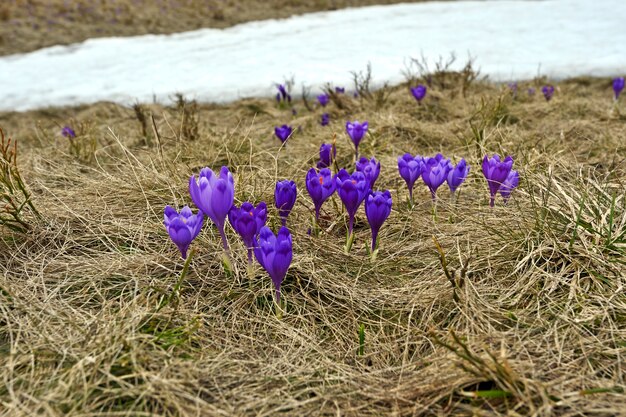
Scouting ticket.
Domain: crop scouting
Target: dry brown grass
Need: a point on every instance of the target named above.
(540, 324)
(26, 25)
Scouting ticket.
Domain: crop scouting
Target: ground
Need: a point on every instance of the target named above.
(517, 309)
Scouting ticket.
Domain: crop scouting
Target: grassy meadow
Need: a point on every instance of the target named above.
(513, 310)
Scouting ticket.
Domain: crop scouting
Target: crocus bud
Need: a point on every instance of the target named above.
(285, 197)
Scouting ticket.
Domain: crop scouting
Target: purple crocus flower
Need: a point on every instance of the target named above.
(68, 132)
(282, 95)
(214, 196)
(370, 168)
(327, 154)
(513, 88)
(548, 91)
(323, 99)
(325, 119)
(247, 221)
(285, 197)
(320, 186)
(340, 90)
(274, 253)
(352, 190)
(356, 131)
(618, 86)
(283, 132)
(531, 91)
(182, 228)
(496, 172)
(377, 209)
(457, 175)
(410, 168)
(435, 172)
(419, 93)
(511, 182)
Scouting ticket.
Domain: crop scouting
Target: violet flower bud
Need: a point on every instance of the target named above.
(68, 132)
(410, 168)
(274, 253)
(323, 99)
(285, 198)
(435, 172)
(419, 92)
(352, 190)
(377, 209)
(320, 186)
(326, 159)
(247, 221)
(511, 182)
(183, 228)
(457, 175)
(340, 90)
(548, 91)
(283, 132)
(214, 196)
(325, 119)
(618, 86)
(356, 131)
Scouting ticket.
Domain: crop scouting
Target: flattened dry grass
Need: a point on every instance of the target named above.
(539, 327)
(26, 25)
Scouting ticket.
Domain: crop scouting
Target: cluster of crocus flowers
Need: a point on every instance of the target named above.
(618, 86)
(356, 131)
(285, 195)
(283, 132)
(497, 174)
(548, 91)
(419, 93)
(283, 95)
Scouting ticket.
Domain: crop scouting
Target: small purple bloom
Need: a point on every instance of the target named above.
(247, 221)
(320, 186)
(435, 172)
(496, 172)
(352, 190)
(548, 91)
(340, 90)
(618, 86)
(327, 154)
(68, 132)
(214, 196)
(457, 175)
(513, 88)
(283, 132)
(370, 168)
(356, 131)
(323, 99)
(274, 253)
(377, 209)
(531, 91)
(182, 228)
(285, 197)
(283, 94)
(419, 92)
(410, 168)
(511, 182)
(325, 119)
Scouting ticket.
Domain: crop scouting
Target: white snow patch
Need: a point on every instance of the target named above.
(509, 38)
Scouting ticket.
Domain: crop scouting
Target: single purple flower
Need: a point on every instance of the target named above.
(68, 132)
(419, 93)
(356, 131)
(618, 86)
(320, 186)
(457, 175)
(327, 154)
(274, 253)
(325, 119)
(531, 91)
(182, 228)
(377, 209)
(352, 190)
(340, 90)
(285, 197)
(496, 172)
(323, 99)
(548, 91)
(370, 168)
(435, 172)
(513, 88)
(410, 168)
(283, 132)
(247, 221)
(214, 196)
(511, 182)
